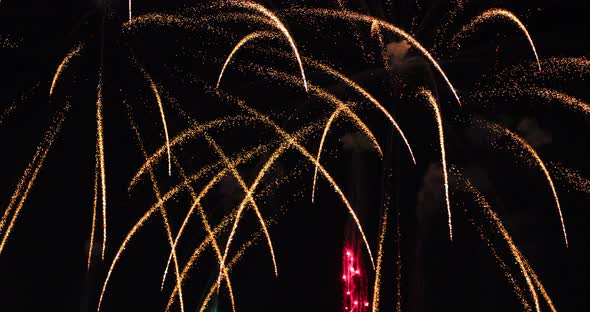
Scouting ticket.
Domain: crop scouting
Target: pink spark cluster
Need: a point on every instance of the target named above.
(354, 279)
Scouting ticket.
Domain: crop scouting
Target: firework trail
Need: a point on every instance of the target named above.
(230, 265)
(441, 136)
(530, 276)
(353, 16)
(94, 208)
(162, 209)
(100, 156)
(130, 8)
(162, 115)
(377, 284)
(63, 65)
(571, 177)
(242, 42)
(209, 240)
(326, 96)
(526, 147)
(280, 26)
(321, 147)
(252, 202)
(497, 14)
(553, 95)
(195, 131)
(291, 142)
(139, 224)
(507, 273)
(222, 227)
(29, 177)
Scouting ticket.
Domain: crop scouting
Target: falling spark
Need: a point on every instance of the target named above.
(242, 183)
(184, 137)
(209, 240)
(348, 15)
(100, 151)
(524, 145)
(320, 148)
(371, 99)
(553, 95)
(529, 275)
(94, 206)
(242, 42)
(231, 264)
(500, 13)
(377, 284)
(162, 115)
(30, 176)
(139, 224)
(435, 107)
(63, 65)
(162, 209)
(281, 27)
(329, 97)
(291, 142)
(571, 177)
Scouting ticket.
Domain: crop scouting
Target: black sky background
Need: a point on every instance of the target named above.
(43, 265)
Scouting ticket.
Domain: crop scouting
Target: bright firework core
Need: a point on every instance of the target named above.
(354, 279)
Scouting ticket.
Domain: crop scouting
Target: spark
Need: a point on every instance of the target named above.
(100, 157)
(571, 177)
(139, 224)
(501, 13)
(323, 139)
(231, 264)
(281, 27)
(30, 176)
(94, 206)
(435, 107)
(162, 209)
(553, 95)
(291, 142)
(524, 145)
(377, 284)
(349, 15)
(529, 275)
(63, 65)
(242, 183)
(162, 115)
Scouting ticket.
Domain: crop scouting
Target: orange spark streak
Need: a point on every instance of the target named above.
(349, 15)
(161, 209)
(62, 66)
(94, 206)
(441, 136)
(292, 142)
(496, 13)
(377, 284)
(242, 183)
(100, 145)
(324, 134)
(281, 27)
(242, 42)
(31, 172)
(527, 147)
(528, 273)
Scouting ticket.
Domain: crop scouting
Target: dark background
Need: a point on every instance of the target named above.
(44, 263)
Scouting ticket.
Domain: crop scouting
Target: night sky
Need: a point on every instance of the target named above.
(43, 265)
